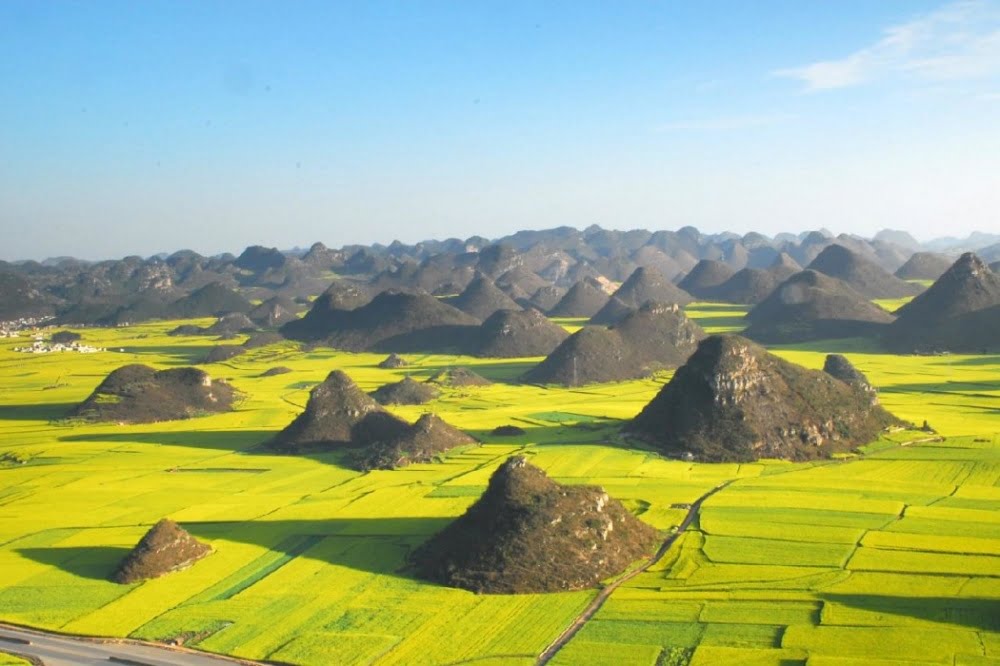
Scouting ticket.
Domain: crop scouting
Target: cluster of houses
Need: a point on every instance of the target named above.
(40, 346)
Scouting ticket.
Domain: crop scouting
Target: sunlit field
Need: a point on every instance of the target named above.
(894, 552)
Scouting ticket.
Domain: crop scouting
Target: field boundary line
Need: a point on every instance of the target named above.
(595, 605)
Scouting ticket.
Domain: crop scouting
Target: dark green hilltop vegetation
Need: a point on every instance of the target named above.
(654, 337)
(528, 533)
(165, 548)
(139, 394)
(733, 401)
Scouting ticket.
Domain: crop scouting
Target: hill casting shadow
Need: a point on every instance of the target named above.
(94, 562)
(977, 614)
(245, 441)
(38, 412)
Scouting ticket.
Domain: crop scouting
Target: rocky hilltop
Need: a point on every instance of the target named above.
(338, 414)
(528, 534)
(165, 548)
(139, 394)
(735, 401)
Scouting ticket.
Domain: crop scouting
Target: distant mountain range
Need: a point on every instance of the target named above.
(531, 267)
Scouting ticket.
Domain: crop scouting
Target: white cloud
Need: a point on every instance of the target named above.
(724, 123)
(958, 41)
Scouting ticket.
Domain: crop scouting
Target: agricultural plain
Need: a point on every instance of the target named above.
(890, 554)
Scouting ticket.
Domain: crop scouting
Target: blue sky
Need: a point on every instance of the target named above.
(140, 127)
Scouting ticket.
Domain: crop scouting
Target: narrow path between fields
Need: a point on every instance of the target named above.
(604, 594)
(54, 649)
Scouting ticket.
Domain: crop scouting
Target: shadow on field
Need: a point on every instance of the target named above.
(977, 614)
(42, 412)
(987, 359)
(179, 354)
(247, 441)
(94, 562)
(374, 545)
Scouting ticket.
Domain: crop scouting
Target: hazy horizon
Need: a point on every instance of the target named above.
(146, 128)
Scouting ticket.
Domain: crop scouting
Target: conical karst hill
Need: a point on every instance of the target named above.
(407, 391)
(482, 298)
(516, 334)
(165, 548)
(814, 306)
(643, 286)
(706, 274)
(654, 337)
(583, 299)
(418, 443)
(392, 321)
(140, 394)
(338, 414)
(529, 534)
(862, 275)
(734, 401)
(924, 266)
(960, 312)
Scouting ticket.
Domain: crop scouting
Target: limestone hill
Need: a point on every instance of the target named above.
(165, 548)
(338, 414)
(752, 285)
(957, 313)
(706, 274)
(19, 298)
(813, 306)
(654, 337)
(393, 361)
(643, 286)
(274, 312)
(417, 443)
(482, 298)
(392, 321)
(924, 266)
(734, 401)
(545, 298)
(583, 299)
(140, 394)
(328, 310)
(862, 275)
(458, 377)
(514, 334)
(407, 391)
(530, 534)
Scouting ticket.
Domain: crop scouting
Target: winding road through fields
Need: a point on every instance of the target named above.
(59, 650)
(602, 597)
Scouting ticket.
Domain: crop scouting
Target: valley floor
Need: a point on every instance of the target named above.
(891, 556)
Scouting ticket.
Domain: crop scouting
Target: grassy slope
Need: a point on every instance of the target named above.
(902, 543)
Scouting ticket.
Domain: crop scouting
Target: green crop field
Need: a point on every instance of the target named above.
(893, 554)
